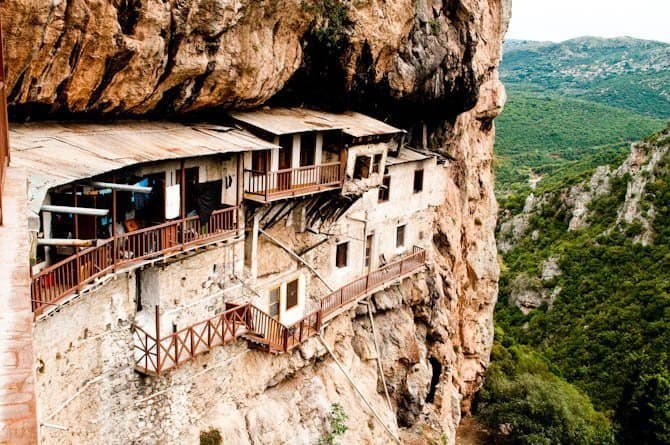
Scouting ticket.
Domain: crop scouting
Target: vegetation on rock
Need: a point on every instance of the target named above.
(608, 333)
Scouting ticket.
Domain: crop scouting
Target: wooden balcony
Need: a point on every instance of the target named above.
(59, 280)
(271, 186)
(152, 356)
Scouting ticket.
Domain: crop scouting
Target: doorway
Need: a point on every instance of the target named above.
(284, 180)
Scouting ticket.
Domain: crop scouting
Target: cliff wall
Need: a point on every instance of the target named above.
(428, 66)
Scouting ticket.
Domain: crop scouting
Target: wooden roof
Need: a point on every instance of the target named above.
(59, 153)
(279, 121)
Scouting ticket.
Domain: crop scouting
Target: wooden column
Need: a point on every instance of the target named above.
(239, 194)
(182, 199)
(75, 201)
(115, 253)
(254, 246)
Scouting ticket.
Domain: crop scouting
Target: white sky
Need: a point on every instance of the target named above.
(558, 20)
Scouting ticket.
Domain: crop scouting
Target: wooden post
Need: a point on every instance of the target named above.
(76, 236)
(239, 193)
(158, 340)
(114, 237)
(182, 191)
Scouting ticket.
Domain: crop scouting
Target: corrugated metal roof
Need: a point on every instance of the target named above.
(59, 153)
(279, 121)
(406, 155)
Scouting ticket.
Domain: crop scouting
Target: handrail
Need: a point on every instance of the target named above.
(257, 325)
(155, 357)
(366, 283)
(55, 282)
(292, 181)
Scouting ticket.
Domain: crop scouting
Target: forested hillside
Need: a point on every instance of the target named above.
(582, 351)
(575, 105)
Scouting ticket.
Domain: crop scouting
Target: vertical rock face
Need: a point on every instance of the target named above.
(427, 65)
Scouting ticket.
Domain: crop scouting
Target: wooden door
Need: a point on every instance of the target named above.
(284, 181)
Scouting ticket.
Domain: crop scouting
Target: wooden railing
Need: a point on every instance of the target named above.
(250, 322)
(293, 181)
(367, 283)
(152, 357)
(59, 280)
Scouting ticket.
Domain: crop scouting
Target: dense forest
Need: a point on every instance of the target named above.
(590, 364)
(602, 348)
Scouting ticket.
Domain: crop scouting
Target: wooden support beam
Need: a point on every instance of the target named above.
(74, 210)
(121, 187)
(65, 242)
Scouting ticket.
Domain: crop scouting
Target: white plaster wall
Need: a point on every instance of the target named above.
(374, 179)
(191, 289)
(368, 216)
(290, 316)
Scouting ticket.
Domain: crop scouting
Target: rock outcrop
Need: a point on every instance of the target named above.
(427, 65)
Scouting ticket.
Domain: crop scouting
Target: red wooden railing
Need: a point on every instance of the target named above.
(257, 326)
(367, 283)
(152, 357)
(59, 280)
(292, 181)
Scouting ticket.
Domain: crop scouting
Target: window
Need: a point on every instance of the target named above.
(385, 189)
(400, 236)
(362, 167)
(376, 163)
(292, 294)
(418, 181)
(192, 177)
(273, 304)
(285, 151)
(307, 149)
(368, 249)
(342, 254)
(332, 141)
(260, 160)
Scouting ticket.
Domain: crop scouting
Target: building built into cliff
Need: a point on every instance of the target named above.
(169, 240)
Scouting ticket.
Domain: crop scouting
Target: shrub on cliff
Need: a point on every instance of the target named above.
(530, 405)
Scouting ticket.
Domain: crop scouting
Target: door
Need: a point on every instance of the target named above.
(260, 163)
(368, 251)
(284, 181)
(273, 303)
(308, 176)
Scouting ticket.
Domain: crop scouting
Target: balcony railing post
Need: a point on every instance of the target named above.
(285, 340)
(114, 235)
(158, 340)
(176, 350)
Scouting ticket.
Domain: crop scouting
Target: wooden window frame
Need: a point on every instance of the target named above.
(276, 303)
(362, 167)
(342, 256)
(369, 246)
(400, 235)
(290, 304)
(418, 180)
(377, 162)
(385, 189)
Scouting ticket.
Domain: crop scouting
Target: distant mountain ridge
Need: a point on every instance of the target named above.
(625, 72)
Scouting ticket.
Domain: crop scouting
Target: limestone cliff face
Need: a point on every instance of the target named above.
(419, 63)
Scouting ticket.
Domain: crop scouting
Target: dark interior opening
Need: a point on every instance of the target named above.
(435, 379)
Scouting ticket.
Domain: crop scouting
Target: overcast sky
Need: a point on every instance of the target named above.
(558, 20)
